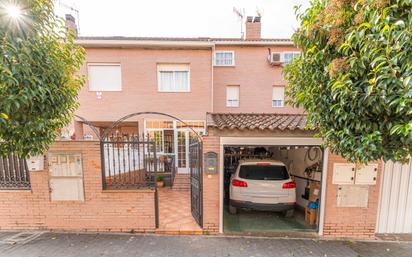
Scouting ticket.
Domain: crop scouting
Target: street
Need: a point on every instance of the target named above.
(13, 244)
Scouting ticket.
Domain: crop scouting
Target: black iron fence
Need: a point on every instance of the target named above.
(132, 162)
(14, 173)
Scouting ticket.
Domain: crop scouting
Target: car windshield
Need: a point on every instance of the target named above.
(263, 172)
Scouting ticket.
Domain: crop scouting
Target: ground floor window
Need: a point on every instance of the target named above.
(158, 137)
(173, 138)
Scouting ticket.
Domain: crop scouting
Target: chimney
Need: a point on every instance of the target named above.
(71, 24)
(253, 28)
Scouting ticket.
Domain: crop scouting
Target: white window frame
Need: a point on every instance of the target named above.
(104, 64)
(175, 130)
(231, 100)
(282, 56)
(273, 99)
(148, 130)
(162, 143)
(224, 65)
(171, 68)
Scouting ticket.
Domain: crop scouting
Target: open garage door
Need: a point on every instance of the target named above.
(271, 189)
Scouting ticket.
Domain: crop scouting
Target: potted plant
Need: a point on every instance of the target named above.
(160, 180)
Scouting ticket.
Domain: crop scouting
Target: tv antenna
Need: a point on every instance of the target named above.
(73, 9)
(259, 12)
(241, 16)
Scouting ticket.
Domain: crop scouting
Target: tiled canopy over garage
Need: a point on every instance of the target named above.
(256, 129)
(257, 121)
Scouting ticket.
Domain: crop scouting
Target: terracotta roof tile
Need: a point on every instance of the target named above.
(259, 121)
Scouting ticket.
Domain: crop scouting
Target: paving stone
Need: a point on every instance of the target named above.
(174, 212)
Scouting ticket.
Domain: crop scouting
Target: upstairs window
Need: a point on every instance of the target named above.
(104, 77)
(224, 58)
(173, 78)
(232, 96)
(278, 97)
(288, 56)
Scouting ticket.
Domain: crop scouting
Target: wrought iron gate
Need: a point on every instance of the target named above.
(196, 180)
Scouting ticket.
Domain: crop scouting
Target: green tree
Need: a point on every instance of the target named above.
(39, 79)
(354, 77)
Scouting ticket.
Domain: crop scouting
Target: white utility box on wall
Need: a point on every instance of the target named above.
(343, 174)
(35, 163)
(66, 177)
(352, 196)
(346, 174)
(366, 175)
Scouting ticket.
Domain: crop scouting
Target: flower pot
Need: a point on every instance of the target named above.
(160, 183)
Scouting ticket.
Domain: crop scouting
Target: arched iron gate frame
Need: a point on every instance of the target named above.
(196, 173)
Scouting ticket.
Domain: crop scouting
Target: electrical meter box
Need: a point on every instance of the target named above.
(66, 177)
(210, 163)
(346, 174)
(367, 175)
(352, 196)
(35, 163)
(343, 174)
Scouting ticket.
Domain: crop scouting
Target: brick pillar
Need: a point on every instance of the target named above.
(211, 188)
(349, 222)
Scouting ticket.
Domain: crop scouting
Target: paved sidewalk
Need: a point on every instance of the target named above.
(125, 245)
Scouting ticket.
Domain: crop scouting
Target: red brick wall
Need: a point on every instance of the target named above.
(211, 188)
(349, 222)
(101, 210)
(134, 210)
(140, 86)
(255, 78)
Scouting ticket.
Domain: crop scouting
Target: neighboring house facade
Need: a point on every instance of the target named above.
(231, 92)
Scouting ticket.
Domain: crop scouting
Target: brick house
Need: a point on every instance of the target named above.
(231, 93)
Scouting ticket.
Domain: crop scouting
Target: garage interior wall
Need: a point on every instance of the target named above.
(297, 161)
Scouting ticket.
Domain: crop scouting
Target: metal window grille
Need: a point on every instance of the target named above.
(14, 173)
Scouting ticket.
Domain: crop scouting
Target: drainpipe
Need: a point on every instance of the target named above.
(212, 87)
(213, 82)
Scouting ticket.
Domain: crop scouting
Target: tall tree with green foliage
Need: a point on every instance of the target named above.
(39, 80)
(354, 77)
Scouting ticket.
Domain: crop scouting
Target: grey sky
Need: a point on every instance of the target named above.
(180, 18)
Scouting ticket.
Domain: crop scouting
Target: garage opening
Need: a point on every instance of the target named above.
(271, 189)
